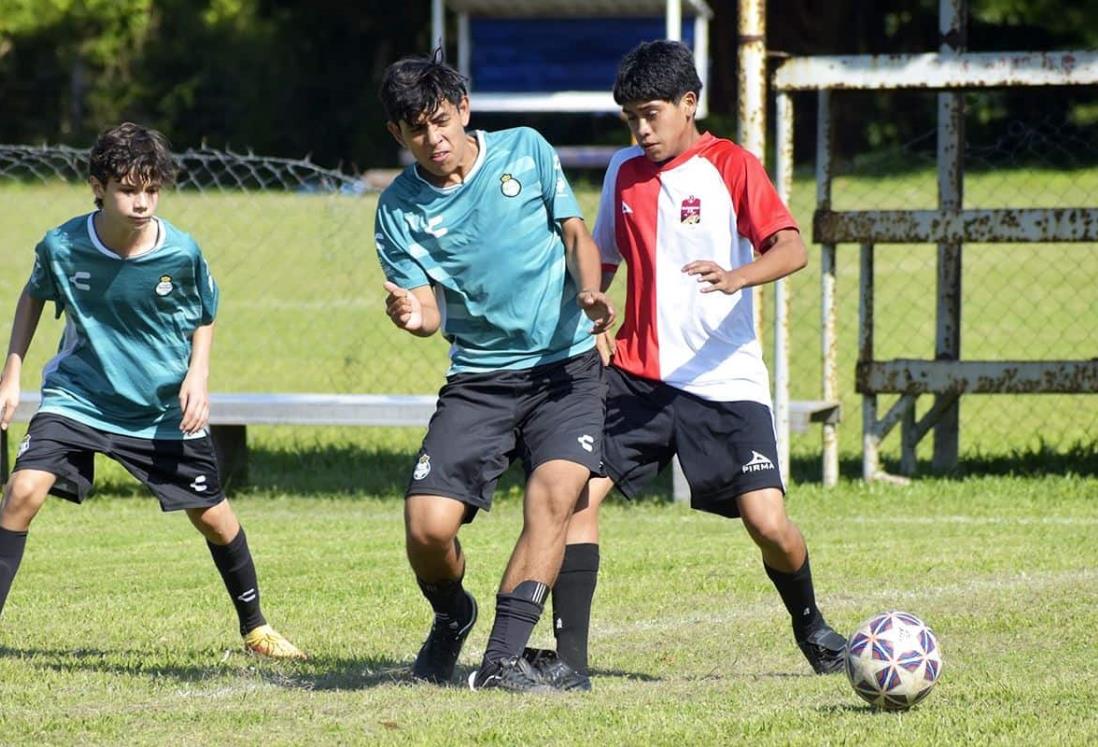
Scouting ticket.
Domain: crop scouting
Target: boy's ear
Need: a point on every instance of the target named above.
(394, 130)
(98, 187)
(690, 102)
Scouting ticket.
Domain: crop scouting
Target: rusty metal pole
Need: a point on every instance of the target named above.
(751, 119)
(783, 171)
(829, 345)
(951, 139)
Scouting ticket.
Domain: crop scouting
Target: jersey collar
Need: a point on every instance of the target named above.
(702, 142)
(102, 248)
(482, 147)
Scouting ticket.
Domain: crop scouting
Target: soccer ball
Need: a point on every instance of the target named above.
(893, 660)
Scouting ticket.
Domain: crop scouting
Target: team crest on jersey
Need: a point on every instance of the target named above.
(509, 185)
(691, 211)
(23, 446)
(423, 468)
(164, 287)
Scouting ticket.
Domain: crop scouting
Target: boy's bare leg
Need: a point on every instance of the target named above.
(431, 525)
(551, 495)
(229, 549)
(24, 495)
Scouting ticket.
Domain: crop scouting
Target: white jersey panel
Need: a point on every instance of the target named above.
(707, 343)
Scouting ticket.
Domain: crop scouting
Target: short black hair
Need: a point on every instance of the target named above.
(414, 87)
(656, 71)
(131, 150)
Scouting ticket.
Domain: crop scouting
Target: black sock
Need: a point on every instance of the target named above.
(447, 598)
(234, 561)
(799, 597)
(516, 615)
(572, 595)
(11, 555)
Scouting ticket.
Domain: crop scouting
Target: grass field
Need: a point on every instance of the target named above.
(117, 630)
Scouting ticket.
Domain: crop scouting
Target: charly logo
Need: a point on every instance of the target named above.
(23, 446)
(509, 185)
(164, 287)
(423, 468)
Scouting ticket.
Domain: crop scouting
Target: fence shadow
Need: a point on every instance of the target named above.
(1042, 461)
(353, 470)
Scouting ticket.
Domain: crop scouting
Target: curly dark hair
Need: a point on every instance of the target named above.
(414, 87)
(131, 150)
(656, 71)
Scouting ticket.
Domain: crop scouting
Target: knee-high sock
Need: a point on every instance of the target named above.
(517, 613)
(234, 562)
(799, 597)
(11, 555)
(572, 597)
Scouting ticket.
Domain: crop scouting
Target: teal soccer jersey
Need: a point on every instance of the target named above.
(491, 247)
(128, 326)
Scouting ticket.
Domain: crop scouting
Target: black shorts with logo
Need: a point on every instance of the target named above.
(726, 449)
(485, 421)
(181, 473)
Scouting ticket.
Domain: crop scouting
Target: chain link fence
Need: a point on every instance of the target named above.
(291, 245)
(1019, 301)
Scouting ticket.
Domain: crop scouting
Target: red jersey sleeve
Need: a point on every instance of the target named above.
(760, 212)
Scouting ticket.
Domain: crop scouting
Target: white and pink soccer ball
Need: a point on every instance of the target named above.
(893, 660)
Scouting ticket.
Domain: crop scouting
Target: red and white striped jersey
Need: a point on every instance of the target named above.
(716, 202)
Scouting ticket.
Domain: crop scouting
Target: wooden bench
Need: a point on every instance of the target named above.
(231, 414)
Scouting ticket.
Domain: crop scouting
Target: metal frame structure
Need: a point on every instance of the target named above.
(569, 101)
(946, 377)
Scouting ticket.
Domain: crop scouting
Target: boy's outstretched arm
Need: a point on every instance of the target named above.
(194, 394)
(783, 254)
(27, 313)
(585, 267)
(414, 311)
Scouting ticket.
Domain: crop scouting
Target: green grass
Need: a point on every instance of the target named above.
(118, 630)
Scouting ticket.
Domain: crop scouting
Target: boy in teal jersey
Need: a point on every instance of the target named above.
(129, 378)
(482, 238)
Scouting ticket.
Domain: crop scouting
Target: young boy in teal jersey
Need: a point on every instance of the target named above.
(482, 238)
(129, 378)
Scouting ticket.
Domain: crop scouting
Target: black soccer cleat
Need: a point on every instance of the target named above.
(824, 648)
(439, 653)
(554, 670)
(514, 675)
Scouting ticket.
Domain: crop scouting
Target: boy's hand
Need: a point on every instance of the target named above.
(598, 309)
(194, 400)
(607, 347)
(9, 400)
(719, 279)
(403, 308)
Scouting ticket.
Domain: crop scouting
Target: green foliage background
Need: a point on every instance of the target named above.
(290, 77)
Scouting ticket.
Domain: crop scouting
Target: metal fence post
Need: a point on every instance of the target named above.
(828, 338)
(951, 138)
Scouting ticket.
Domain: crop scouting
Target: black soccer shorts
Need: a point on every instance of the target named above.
(726, 449)
(180, 473)
(485, 421)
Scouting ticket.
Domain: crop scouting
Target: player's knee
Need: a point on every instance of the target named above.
(23, 496)
(767, 528)
(430, 535)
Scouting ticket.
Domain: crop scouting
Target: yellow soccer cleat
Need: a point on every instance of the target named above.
(266, 641)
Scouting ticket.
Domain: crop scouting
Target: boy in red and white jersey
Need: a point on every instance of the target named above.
(688, 213)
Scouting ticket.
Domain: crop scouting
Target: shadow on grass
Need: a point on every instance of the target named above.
(357, 471)
(1042, 461)
(318, 673)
